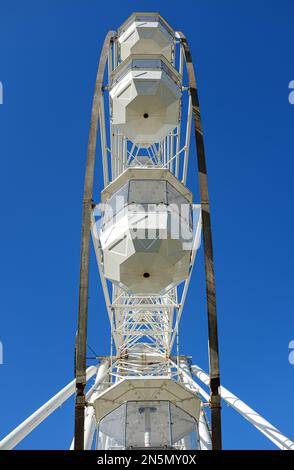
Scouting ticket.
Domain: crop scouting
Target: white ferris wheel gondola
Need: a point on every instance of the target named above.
(146, 232)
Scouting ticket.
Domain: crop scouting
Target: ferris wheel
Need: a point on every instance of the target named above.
(146, 230)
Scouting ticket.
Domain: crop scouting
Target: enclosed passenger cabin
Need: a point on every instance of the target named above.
(146, 232)
(157, 413)
(145, 98)
(145, 33)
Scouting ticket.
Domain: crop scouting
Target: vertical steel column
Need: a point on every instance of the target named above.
(81, 339)
(27, 426)
(215, 400)
(204, 434)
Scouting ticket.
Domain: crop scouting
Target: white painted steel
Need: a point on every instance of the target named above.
(27, 426)
(146, 389)
(144, 324)
(90, 421)
(204, 433)
(145, 33)
(145, 97)
(264, 426)
(185, 376)
(203, 430)
(146, 265)
(197, 241)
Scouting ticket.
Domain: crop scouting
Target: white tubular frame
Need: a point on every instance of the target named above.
(157, 318)
(144, 328)
(204, 433)
(203, 429)
(90, 420)
(27, 426)
(266, 428)
(142, 322)
(129, 314)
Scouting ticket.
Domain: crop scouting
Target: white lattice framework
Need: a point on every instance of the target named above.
(144, 328)
(144, 324)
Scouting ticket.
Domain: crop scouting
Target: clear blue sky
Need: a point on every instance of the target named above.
(49, 52)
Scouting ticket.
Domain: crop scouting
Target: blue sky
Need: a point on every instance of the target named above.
(49, 52)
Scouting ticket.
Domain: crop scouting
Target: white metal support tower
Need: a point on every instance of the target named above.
(146, 231)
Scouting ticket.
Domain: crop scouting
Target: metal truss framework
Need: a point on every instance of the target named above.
(145, 328)
(192, 376)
